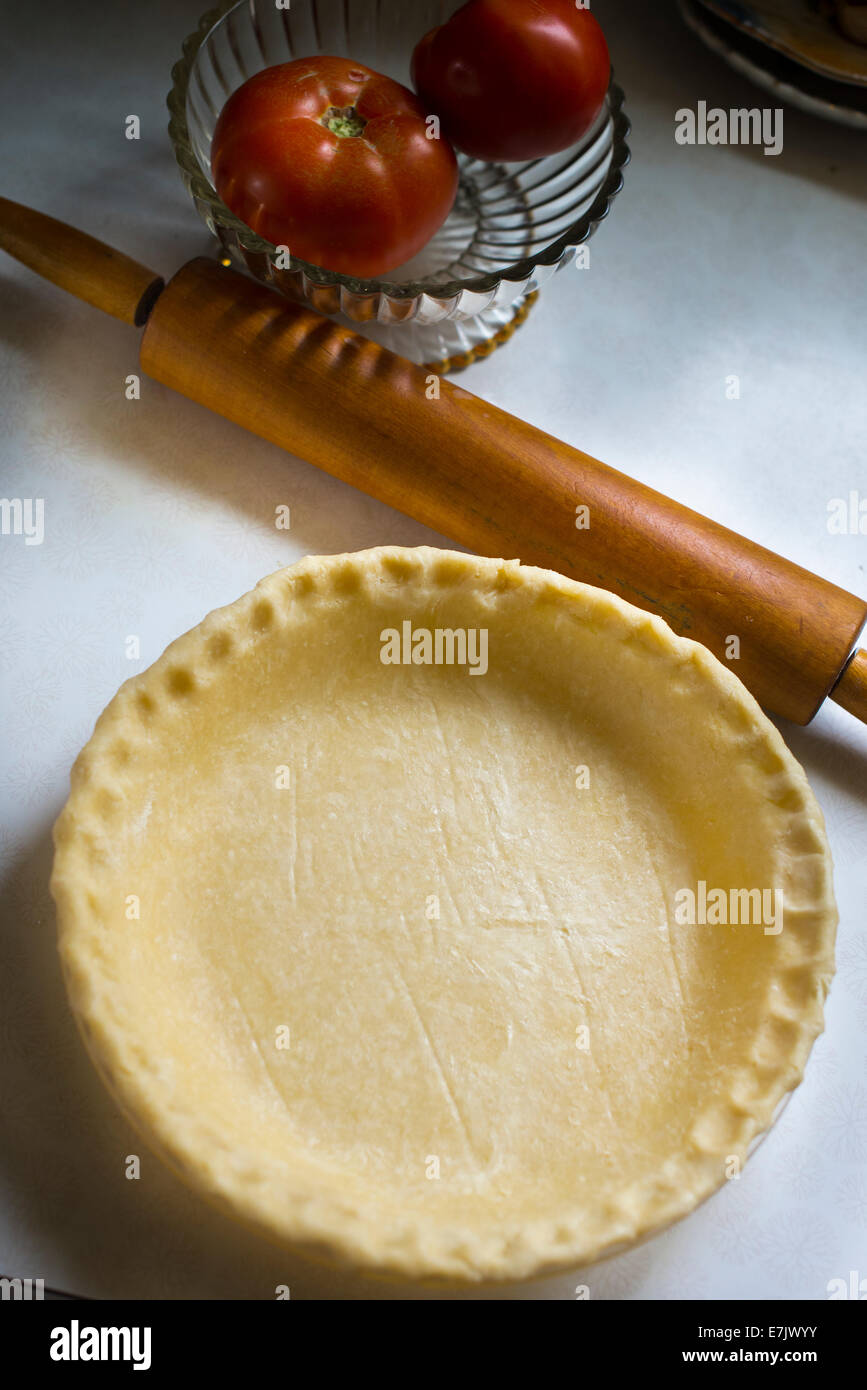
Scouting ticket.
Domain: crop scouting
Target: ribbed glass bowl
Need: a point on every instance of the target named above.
(513, 225)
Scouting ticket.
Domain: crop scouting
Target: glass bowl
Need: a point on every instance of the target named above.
(513, 225)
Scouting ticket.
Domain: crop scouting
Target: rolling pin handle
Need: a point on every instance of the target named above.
(79, 263)
(851, 689)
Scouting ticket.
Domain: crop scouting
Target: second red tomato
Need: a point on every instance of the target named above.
(514, 79)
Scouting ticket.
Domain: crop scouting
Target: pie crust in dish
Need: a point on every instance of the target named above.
(386, 959)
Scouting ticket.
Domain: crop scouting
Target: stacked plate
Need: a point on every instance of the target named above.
(812, 53)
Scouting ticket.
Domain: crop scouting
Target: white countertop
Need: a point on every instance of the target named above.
(716, 261)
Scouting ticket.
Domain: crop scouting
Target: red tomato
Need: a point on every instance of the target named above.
(333, 160)
(514, 79)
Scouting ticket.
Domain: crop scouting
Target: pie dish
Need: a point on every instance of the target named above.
(769, 67)
(388, 958)
(808, 34)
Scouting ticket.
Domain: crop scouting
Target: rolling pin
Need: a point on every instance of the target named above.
(463, 467)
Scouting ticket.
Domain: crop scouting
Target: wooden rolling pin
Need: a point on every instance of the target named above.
(463, 467)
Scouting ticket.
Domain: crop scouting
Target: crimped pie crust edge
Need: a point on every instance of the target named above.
(321, 1224)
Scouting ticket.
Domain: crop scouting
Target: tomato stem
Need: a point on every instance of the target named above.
(345, 121)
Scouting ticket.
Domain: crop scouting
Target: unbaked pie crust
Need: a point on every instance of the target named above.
(383, 958)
